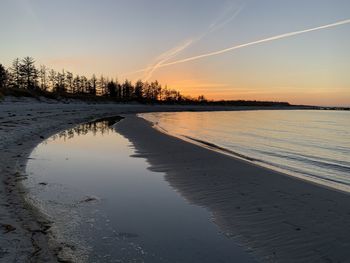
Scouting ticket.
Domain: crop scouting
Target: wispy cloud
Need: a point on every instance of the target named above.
(223, 19)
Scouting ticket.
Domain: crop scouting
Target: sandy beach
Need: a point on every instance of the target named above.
(277, 217)
(24, 123)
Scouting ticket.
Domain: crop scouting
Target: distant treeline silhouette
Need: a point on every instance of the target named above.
(24, 78)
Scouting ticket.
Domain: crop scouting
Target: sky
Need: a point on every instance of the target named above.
(223, 49)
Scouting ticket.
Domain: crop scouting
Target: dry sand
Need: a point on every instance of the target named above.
(278, 217)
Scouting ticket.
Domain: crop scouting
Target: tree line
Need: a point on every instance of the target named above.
(24, 75)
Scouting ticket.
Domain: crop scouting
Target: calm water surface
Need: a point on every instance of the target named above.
(313, 145)
(112, 209)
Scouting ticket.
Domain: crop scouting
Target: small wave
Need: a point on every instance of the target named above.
(299, 143)
(222, 149)
(291, 170)
(302, 158)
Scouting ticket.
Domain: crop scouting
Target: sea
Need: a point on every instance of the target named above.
(310, 144)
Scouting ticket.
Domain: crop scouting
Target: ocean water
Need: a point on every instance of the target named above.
(312, 145)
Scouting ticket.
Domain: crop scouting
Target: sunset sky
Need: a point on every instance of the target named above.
(134, 39)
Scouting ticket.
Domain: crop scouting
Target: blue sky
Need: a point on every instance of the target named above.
(117, 38)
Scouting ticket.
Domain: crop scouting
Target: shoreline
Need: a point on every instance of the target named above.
(26, 124)
(321, 182)
(278, 217)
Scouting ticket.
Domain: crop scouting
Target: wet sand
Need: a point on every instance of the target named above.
(111, 208)
(278, 217)
(24, 123)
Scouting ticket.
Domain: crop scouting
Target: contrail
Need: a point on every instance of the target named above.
(172, 53)
(216, 26)
(281, 36)
(165, 57)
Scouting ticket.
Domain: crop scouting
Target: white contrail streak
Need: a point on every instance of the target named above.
(216, 26)
(165, 57)
(172, 53)
(286, 35)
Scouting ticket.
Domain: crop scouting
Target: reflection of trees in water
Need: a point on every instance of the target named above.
(101, 126)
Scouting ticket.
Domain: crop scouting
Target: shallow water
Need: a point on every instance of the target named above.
(313, 145)
(108, 207)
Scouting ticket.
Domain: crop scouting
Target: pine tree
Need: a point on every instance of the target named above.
(28, 73)
(3, 76)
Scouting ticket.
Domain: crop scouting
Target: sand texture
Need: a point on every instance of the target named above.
(278, 217)
(24, 123)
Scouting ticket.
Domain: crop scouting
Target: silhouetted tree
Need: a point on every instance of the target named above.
(43, 78)
(112, 88)
(60, 85)
(138, 90)
(28, 73)
(16, 81)
(102, 86)
(93, 83)
(77, 84)
(127, 89)
(155, 90)
(23, 74)
(52, 79)
(119, 90)
(83, 85)
(69, 82)
(201, 98)
(3, 76)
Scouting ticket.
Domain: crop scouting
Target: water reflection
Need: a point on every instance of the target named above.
(280, 218)
(313, 145)
(108, 207)
(101, 126)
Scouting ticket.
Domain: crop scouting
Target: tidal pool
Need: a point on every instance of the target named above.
(106, 206)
